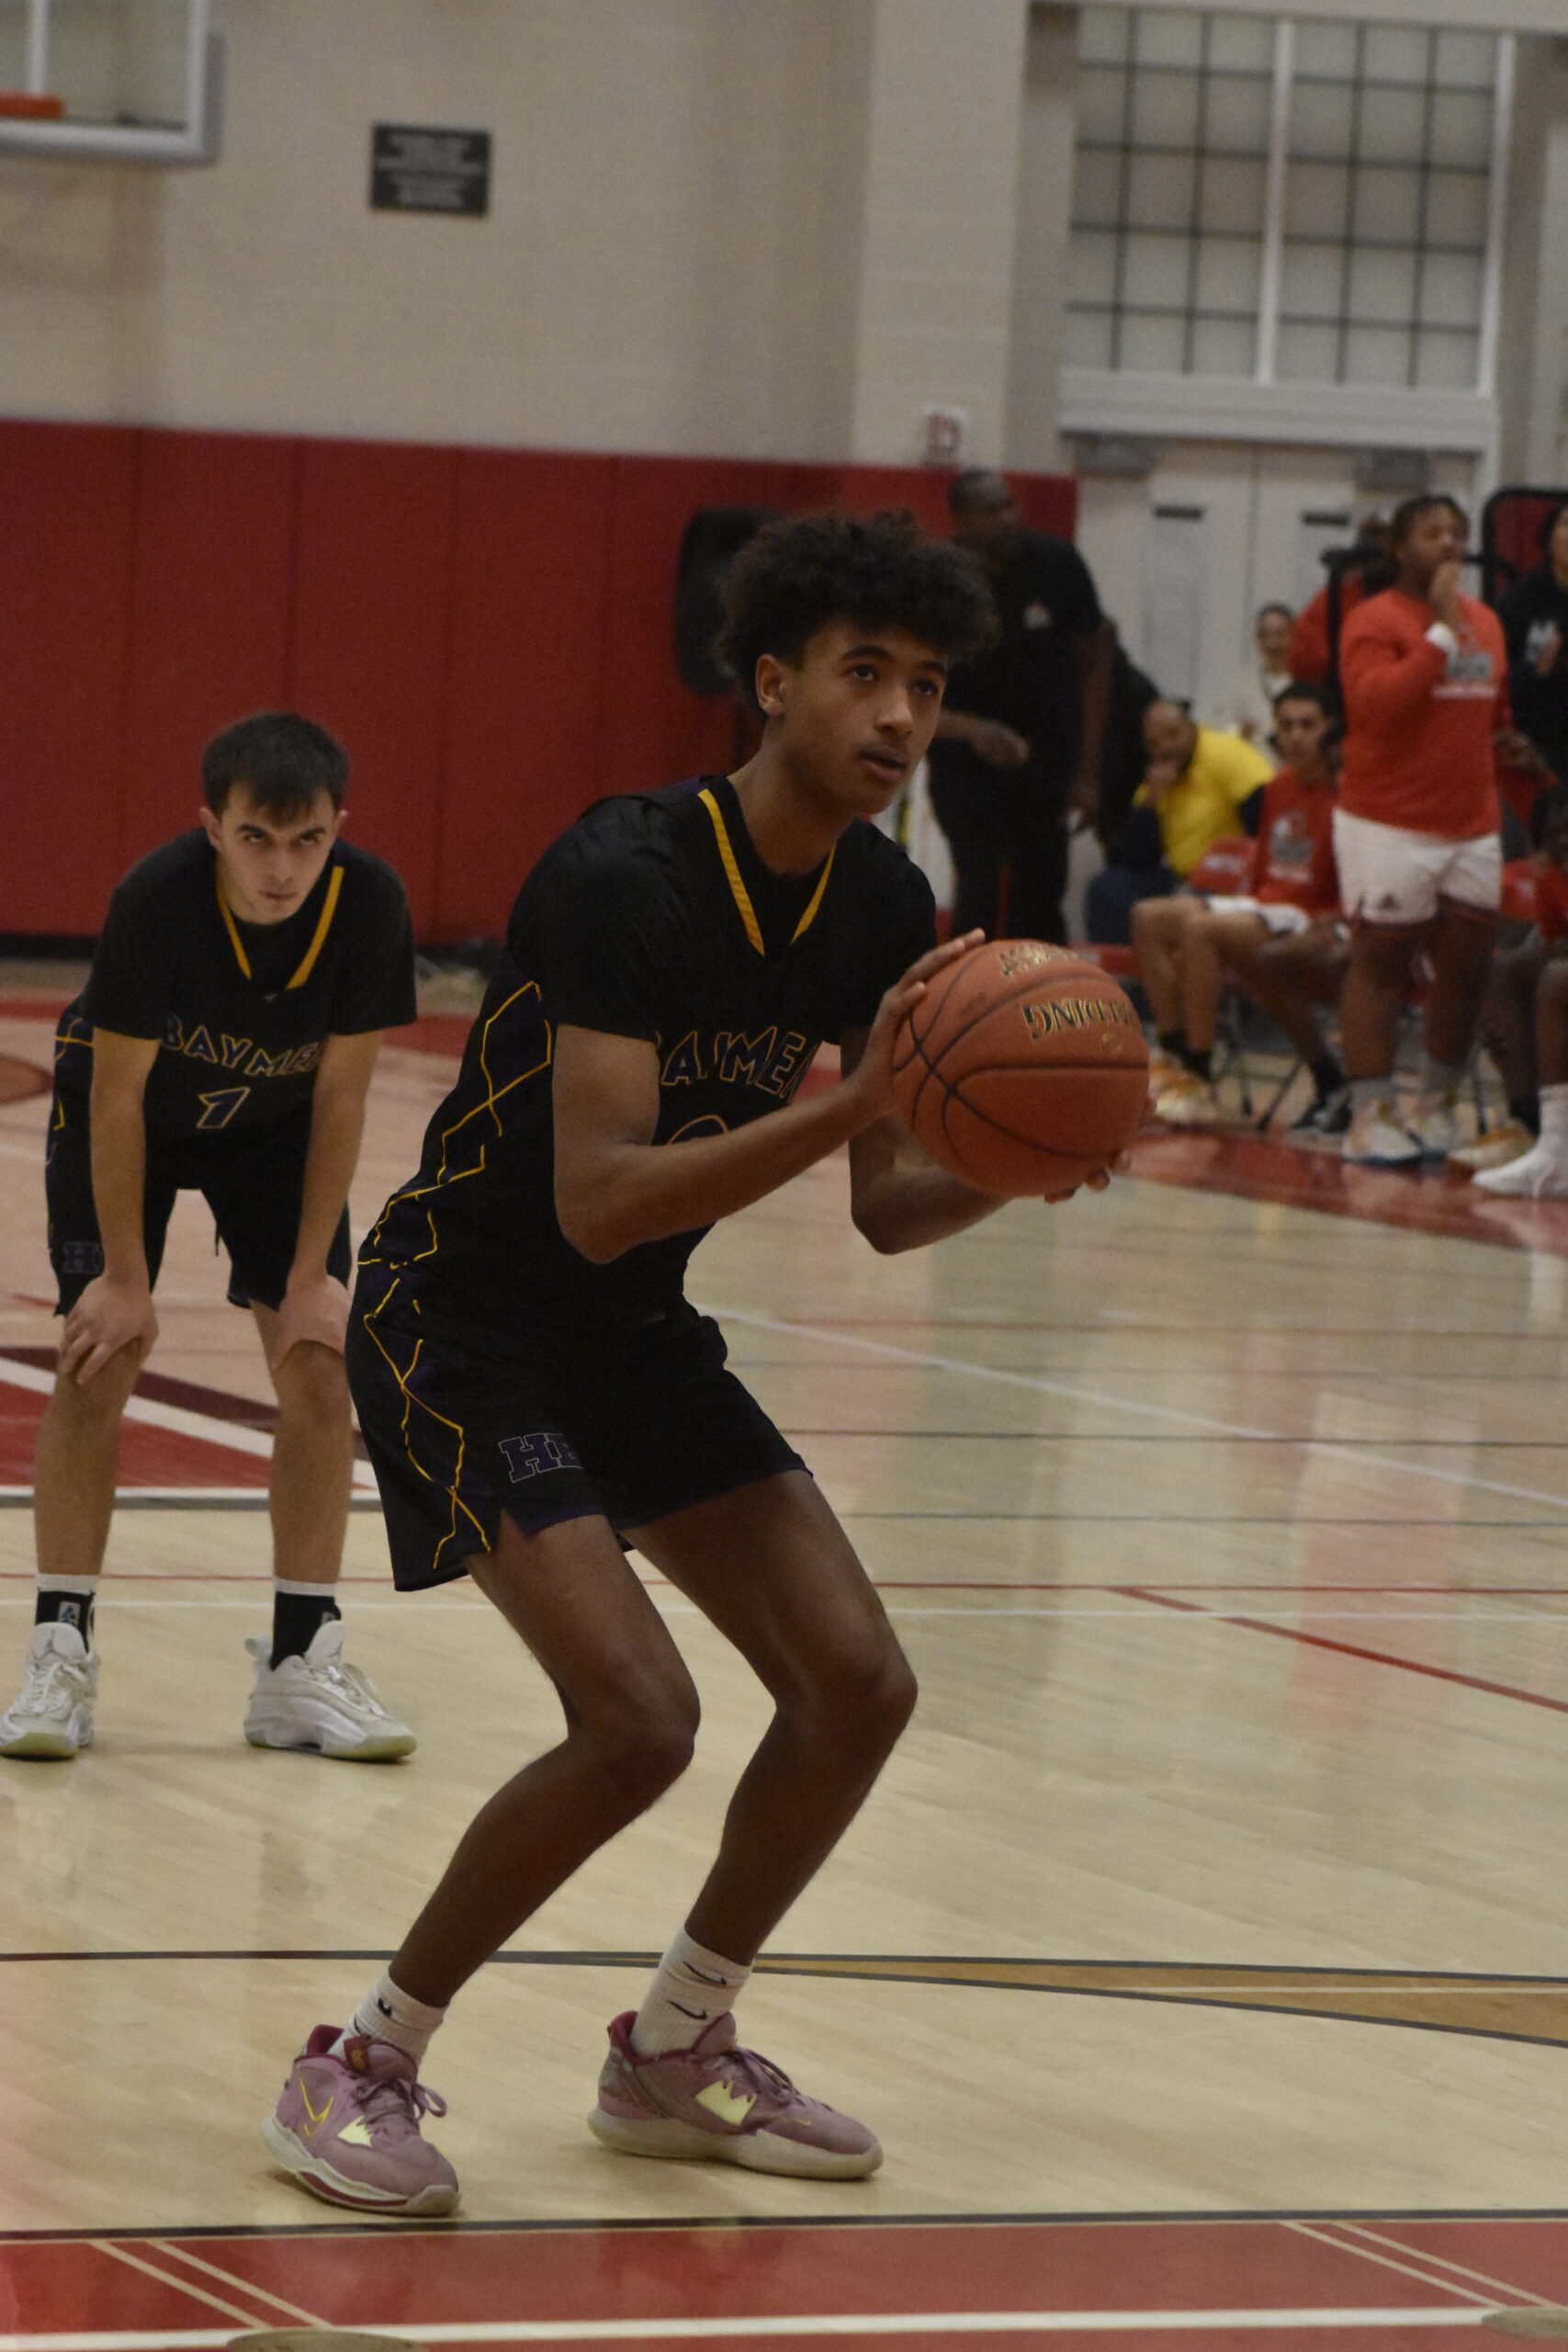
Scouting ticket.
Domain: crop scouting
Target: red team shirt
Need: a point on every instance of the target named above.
(1419, 720)
(1293, 858)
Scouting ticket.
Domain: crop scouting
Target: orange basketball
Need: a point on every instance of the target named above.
(1023, 1069)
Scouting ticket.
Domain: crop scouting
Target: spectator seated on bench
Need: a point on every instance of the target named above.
(1198, 786)
(1524, 1025)
(1276, 938)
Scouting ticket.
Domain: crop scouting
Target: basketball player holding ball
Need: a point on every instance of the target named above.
(534, 1385)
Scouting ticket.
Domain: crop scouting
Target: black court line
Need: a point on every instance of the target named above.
(1259, 2216)
(895, 1971)
(812, 1963)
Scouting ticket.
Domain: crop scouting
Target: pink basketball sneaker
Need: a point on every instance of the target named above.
(721, 2105)
(347, 2128)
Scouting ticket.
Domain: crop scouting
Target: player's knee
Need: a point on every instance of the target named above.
(313, 1381)
(863, 1699)
(643, 1741)
(91, 1404)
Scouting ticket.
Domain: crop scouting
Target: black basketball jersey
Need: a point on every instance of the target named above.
(240, 1010)
(653, 917)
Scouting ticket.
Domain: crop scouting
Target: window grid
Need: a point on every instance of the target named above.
(1366, 320)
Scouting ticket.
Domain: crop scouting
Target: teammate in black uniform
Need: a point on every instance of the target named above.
(532, 1381)
(223, 1043)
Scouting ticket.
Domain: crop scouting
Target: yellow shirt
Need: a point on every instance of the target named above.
(1199, 808)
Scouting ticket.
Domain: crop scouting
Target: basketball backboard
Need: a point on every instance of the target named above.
(125, 81)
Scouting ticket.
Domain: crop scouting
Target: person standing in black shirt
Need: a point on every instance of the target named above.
(1018, 747)
(534, 1385)
(223, 1043)
(1534, 622)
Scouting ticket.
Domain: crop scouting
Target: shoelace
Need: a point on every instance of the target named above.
(761, 2073)
(390, 2099)
(353, 1684)
(43, 1677)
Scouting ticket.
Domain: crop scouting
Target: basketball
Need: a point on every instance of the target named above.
(1023, 1069)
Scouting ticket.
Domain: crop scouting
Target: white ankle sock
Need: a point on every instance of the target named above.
(1554, 1120)
(389, 2014)
(691, 1988)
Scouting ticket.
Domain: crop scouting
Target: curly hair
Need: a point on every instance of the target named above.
(805, 571)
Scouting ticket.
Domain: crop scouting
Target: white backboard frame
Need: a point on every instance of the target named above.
(196, 139)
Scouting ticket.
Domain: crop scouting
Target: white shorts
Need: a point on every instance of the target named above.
(1278, 917)
(1389, 875)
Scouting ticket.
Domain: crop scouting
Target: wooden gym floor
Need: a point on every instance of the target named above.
(1200, 1960)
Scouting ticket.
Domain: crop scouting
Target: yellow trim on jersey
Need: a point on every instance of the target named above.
(453, 1487)
(307, 962)
(493, 1096)
(738, 889)
(235, 942)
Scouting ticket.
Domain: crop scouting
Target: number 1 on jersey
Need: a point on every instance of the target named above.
(218, 1109)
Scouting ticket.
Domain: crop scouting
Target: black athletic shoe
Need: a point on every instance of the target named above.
(1329, 1114)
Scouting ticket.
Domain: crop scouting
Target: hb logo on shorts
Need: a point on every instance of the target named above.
(530, 1457)
(82, 1257)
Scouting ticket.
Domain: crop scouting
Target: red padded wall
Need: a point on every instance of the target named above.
(530, 591)
(211, 596)
(492, 632)
(368, 657)
(68, 495)
(652, 727)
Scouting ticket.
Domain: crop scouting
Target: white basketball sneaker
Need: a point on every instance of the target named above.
(1539, 1174)
(1374, 1139)
(53, 1717)
(318, 1701)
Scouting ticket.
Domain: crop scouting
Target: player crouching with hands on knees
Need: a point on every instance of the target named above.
(223, 1043)
(534, 1385)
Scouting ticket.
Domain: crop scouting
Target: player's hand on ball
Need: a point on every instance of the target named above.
(1097, 1183)
(874, 1075)
(107, 1317)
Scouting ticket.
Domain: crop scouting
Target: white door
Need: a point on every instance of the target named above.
(1185, 556)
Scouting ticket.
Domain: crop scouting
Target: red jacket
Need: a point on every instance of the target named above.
(1419, 720)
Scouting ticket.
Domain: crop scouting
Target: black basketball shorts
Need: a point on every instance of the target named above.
(462, 1427)
(255, 1186)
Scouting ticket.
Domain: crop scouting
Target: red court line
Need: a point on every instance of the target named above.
(1103, 2269)
(148, 1456)
(1259, 1168)
(33, 1008)
(163, 1389)
(359, 2278)
(1350, 1650)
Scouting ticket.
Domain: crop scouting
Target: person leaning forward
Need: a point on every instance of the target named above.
(223, 1044)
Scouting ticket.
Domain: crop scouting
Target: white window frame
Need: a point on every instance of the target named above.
(1261, 408)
